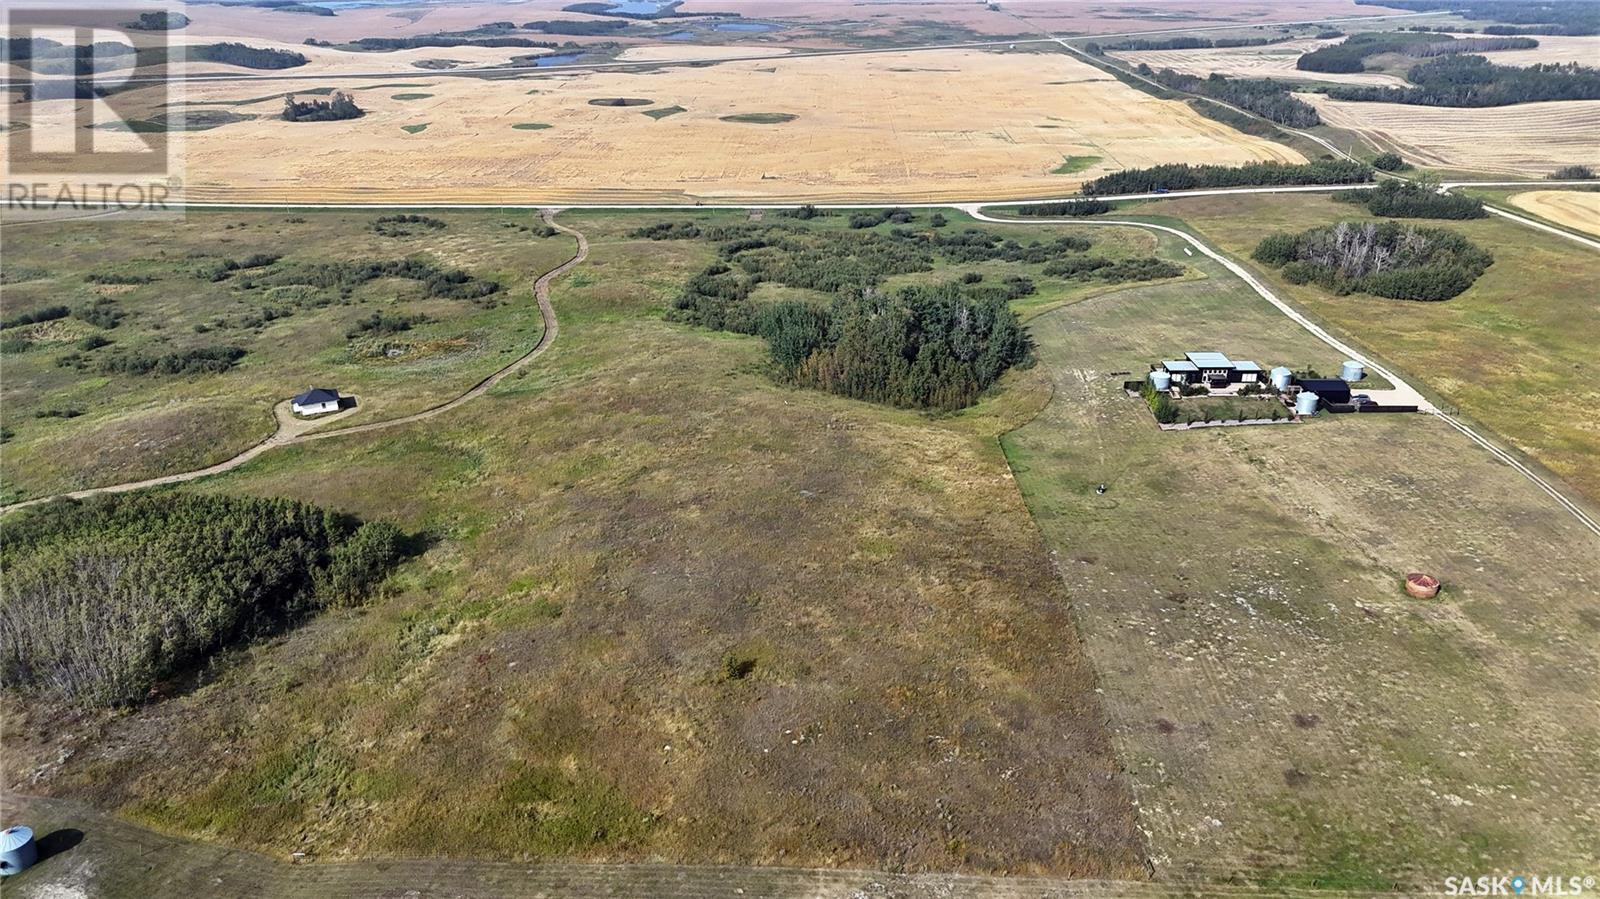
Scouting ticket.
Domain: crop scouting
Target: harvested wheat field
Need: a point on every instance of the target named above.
(1526, 139)
(1578, 209)
(1270, 61)
(1552, 48)
(935, 125)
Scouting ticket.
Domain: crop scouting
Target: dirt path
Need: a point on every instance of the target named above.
(93, 854)
(292, 429)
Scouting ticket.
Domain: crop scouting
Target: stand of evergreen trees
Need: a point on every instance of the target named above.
(1269, 99)
(107, 598)
(1182, 176)
(1475, 81)
(339, 105)
(1409, 200)
(1387, 260)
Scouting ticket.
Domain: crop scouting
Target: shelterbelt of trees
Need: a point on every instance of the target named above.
(1475, 81)
(1269, 99)
(108, 598)
(1514, 16)
(1182, 176)
(1387, 259)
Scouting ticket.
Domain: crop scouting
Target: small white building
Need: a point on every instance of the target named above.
(316, 401)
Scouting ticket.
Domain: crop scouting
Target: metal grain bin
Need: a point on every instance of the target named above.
(1352, 371)
(1280, 378)
(1161, 380)
(1305, 404)
(18, 851)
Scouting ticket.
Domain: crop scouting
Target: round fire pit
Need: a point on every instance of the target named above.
(1422, 586)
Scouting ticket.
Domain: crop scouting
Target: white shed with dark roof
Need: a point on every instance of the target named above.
(316, 401)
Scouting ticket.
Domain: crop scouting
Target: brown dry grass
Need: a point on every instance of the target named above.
(550, 678)
(1529, 138)
(933, 125)
(1574, 208)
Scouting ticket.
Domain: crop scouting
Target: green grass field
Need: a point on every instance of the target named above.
(1288, 716)
(1510, 353)
(129, 426)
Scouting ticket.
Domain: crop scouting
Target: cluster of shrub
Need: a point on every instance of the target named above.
(204, 360)
(108, 598)
(875, 217)
(1182, 176)
(1272, 100)
(450, 284)
(1390, 162)
(1078, 208)
(1387, 260)
(225, 268)
(398, 225)
(1576, 17)
(379, 323)
(1410, 200)
(1113, 271)
(1572, 173)
(338, 106)
(1475, 81)
(102, 313)
(1351, 54)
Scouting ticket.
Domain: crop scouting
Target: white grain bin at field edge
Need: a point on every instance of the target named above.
(1352, 371)
(1281, 377)
(1305, 404)
(1160, 380)
(18, 851)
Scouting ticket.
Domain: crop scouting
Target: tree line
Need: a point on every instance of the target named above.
(1272, 100)
(106, 598)
(1474, 81)
(1387, 259)
(1351, 54)
(1077, 208)
(1411, 200)
(1575, 17)
(1183, 176)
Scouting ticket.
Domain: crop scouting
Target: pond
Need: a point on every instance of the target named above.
(637, 7)
(678, 36)
(557, 59)
(745, 26)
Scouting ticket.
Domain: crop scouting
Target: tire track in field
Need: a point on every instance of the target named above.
(291, 430)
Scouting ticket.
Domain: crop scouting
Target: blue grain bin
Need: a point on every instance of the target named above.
(17, 850)
(1161, 380)
(1305, 404)
(1352, 371)
(1280, 378)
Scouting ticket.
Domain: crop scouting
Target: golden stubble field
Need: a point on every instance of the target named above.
(930, 125)
(1269, 61)
(1529, 138)
(1574, 208)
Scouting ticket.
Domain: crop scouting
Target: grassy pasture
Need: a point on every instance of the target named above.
(1511, 352)
(672, 610)
(129, 426)
(1288, 717)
